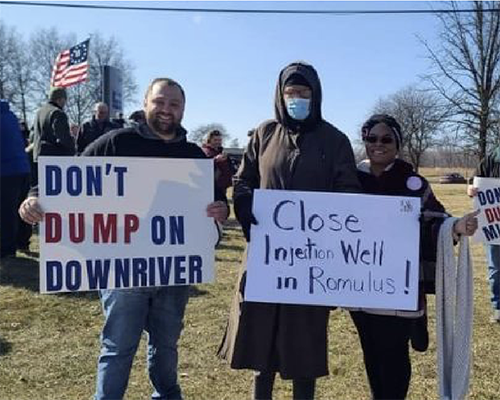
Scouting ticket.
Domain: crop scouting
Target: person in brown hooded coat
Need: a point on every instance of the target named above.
(298, 150)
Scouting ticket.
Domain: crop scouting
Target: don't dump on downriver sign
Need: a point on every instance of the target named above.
(114, 222)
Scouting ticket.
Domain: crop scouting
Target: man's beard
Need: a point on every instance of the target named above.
(162, 128)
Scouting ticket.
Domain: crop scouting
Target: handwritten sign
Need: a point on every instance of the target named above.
(334, 249)
(124, 223)
(488, 201)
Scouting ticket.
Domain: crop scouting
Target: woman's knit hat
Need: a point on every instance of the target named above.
(386, 119)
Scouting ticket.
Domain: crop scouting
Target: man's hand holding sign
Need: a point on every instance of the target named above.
(486, 196)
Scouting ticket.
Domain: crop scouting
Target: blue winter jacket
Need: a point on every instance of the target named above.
(14, 160)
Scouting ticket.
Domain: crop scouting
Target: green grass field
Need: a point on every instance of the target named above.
(49, 343)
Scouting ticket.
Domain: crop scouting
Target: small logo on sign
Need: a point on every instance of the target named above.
(406, 206)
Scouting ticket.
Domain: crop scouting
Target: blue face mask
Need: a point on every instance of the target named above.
(298, 108)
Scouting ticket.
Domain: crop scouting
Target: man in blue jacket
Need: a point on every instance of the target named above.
(15, 178)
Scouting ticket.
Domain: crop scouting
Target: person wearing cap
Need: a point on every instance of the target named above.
(297, 150)
(385, 334)
(52, 135)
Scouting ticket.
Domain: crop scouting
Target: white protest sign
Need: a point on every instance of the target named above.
(113, 222)
(334, 249)
(488, 201)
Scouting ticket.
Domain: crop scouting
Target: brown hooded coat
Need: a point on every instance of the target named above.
(284, 154)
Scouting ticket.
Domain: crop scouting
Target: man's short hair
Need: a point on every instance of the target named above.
(166, 81)
(57, 93)
(213, 133)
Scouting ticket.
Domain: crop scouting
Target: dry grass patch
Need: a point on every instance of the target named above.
(49, 344)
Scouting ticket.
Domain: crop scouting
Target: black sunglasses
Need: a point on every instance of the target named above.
(375, 139)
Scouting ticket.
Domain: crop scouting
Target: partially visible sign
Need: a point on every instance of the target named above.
(488, 202)
(113, 90)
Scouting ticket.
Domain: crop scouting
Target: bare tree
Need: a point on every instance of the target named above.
(22, 76)
(102, 52)
(15, 73)
(199, 134)
(7, 48)
(47, 43)
(467, 70)
(420, 115)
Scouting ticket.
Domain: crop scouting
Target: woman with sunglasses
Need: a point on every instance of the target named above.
(385, 334)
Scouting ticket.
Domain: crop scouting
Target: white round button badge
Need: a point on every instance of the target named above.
(414, 183)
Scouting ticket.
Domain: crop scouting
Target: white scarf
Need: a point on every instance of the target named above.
(454, 309)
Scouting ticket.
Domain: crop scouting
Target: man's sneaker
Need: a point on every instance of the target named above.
(495, 317)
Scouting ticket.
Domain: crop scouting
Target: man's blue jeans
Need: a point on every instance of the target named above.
(493, 255)
(127, 313)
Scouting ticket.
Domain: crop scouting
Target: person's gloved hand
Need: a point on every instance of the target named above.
(243, 212)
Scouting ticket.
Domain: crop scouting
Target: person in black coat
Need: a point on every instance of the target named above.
(51, 135)
(95, 128)
(385, 335)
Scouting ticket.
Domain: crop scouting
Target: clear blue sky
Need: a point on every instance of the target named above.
(228, 64)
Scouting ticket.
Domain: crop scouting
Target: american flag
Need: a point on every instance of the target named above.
(71, 66)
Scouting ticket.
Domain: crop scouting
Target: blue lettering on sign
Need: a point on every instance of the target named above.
(195, 269)
(73, 275)
(122, 272)
(120, 172)
(98, 273)
(94, 180)
(53, 180)
(158, 231)
(139, 272)
(74, 181)
(54, 273)
(87, 180)
(164, 265)
(175, 229)
(56, 276)
(180, 269)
